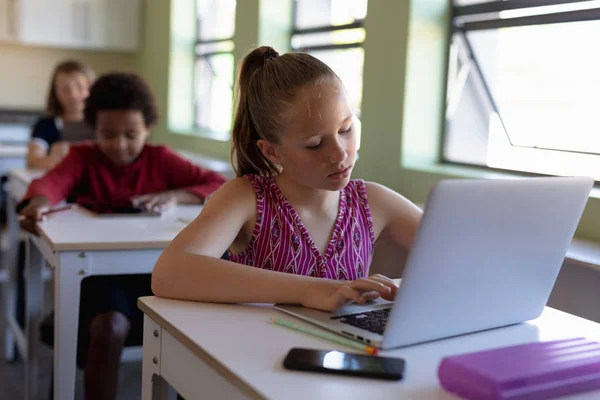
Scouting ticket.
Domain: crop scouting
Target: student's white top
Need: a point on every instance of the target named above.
(242, 346)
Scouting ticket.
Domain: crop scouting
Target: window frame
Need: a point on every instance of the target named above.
(461, 29)
(358, 23)
(198, 55)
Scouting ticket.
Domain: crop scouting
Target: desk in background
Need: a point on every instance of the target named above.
(19, 180)
(224, 351)
(75, 244)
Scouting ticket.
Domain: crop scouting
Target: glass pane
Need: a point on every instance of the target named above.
(467, 114)
(544, 80)
(348, 65)
(218, 47)
(216, 19)
(327, 38)
(214, 92)
(311, 13)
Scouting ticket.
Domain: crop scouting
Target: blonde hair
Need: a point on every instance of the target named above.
(265, 84)
(53, 106)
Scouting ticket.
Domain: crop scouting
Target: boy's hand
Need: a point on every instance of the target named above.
(33, 212)
(159, 202)
(330, 295)
(155, 202)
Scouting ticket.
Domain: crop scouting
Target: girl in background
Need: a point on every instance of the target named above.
(69, 87)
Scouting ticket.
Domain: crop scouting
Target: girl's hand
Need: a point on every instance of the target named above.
(155, 202)
(330, 295)
(33, 212)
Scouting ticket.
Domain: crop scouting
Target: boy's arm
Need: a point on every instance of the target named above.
(182, 174)
(60, 181)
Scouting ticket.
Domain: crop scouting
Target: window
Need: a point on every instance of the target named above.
(524, 86)
(332, 30)
(214, 65)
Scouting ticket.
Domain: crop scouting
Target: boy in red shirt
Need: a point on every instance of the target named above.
(118, 171)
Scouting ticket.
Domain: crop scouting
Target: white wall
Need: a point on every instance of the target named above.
(25, 71)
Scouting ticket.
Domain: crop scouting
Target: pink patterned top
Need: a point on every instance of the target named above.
(280, 241)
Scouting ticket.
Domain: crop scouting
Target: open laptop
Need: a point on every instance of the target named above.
(487, 254)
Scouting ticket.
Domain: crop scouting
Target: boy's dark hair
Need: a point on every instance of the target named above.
(121, 91)
(53, 106)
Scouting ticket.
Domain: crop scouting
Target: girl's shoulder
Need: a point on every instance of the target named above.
(239, 189)
(234, 197)
(376, 191)
(260, 184)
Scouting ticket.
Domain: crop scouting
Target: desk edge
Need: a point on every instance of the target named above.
(199, 352)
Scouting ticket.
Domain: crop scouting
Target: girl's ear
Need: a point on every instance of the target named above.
(269, 150)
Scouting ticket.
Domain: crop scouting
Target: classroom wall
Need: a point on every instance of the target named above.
(25, 71)
(403, 100)
(404, 75)
(576, 291)
(161, 62)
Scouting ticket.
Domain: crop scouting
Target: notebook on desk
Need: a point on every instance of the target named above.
(487, 254)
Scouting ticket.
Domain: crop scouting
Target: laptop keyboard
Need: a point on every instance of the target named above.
(372, 321)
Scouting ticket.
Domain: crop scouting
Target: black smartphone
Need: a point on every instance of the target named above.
(337, 362)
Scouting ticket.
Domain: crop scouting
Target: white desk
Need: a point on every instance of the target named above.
(75, 245)
(223, 351)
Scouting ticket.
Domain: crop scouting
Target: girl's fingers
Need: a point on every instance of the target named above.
(387, 282)
(348, 293)
(370, 296)
(368, 285)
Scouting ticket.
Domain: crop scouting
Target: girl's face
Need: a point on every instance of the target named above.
(71, 91)
(318, 148)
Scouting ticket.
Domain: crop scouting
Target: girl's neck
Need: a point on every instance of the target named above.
(301, 196)
(72, 116)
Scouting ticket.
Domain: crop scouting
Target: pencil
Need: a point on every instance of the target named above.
(325, 335)
(57, 209)
(51, 211)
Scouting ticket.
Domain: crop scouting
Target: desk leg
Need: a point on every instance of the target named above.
(69, 272)
(154, 387)
(9, 290)
(33, 306)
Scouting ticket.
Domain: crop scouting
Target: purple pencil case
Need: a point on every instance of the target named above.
(539, 370)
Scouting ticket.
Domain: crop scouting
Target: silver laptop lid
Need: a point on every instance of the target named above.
(487, 254)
